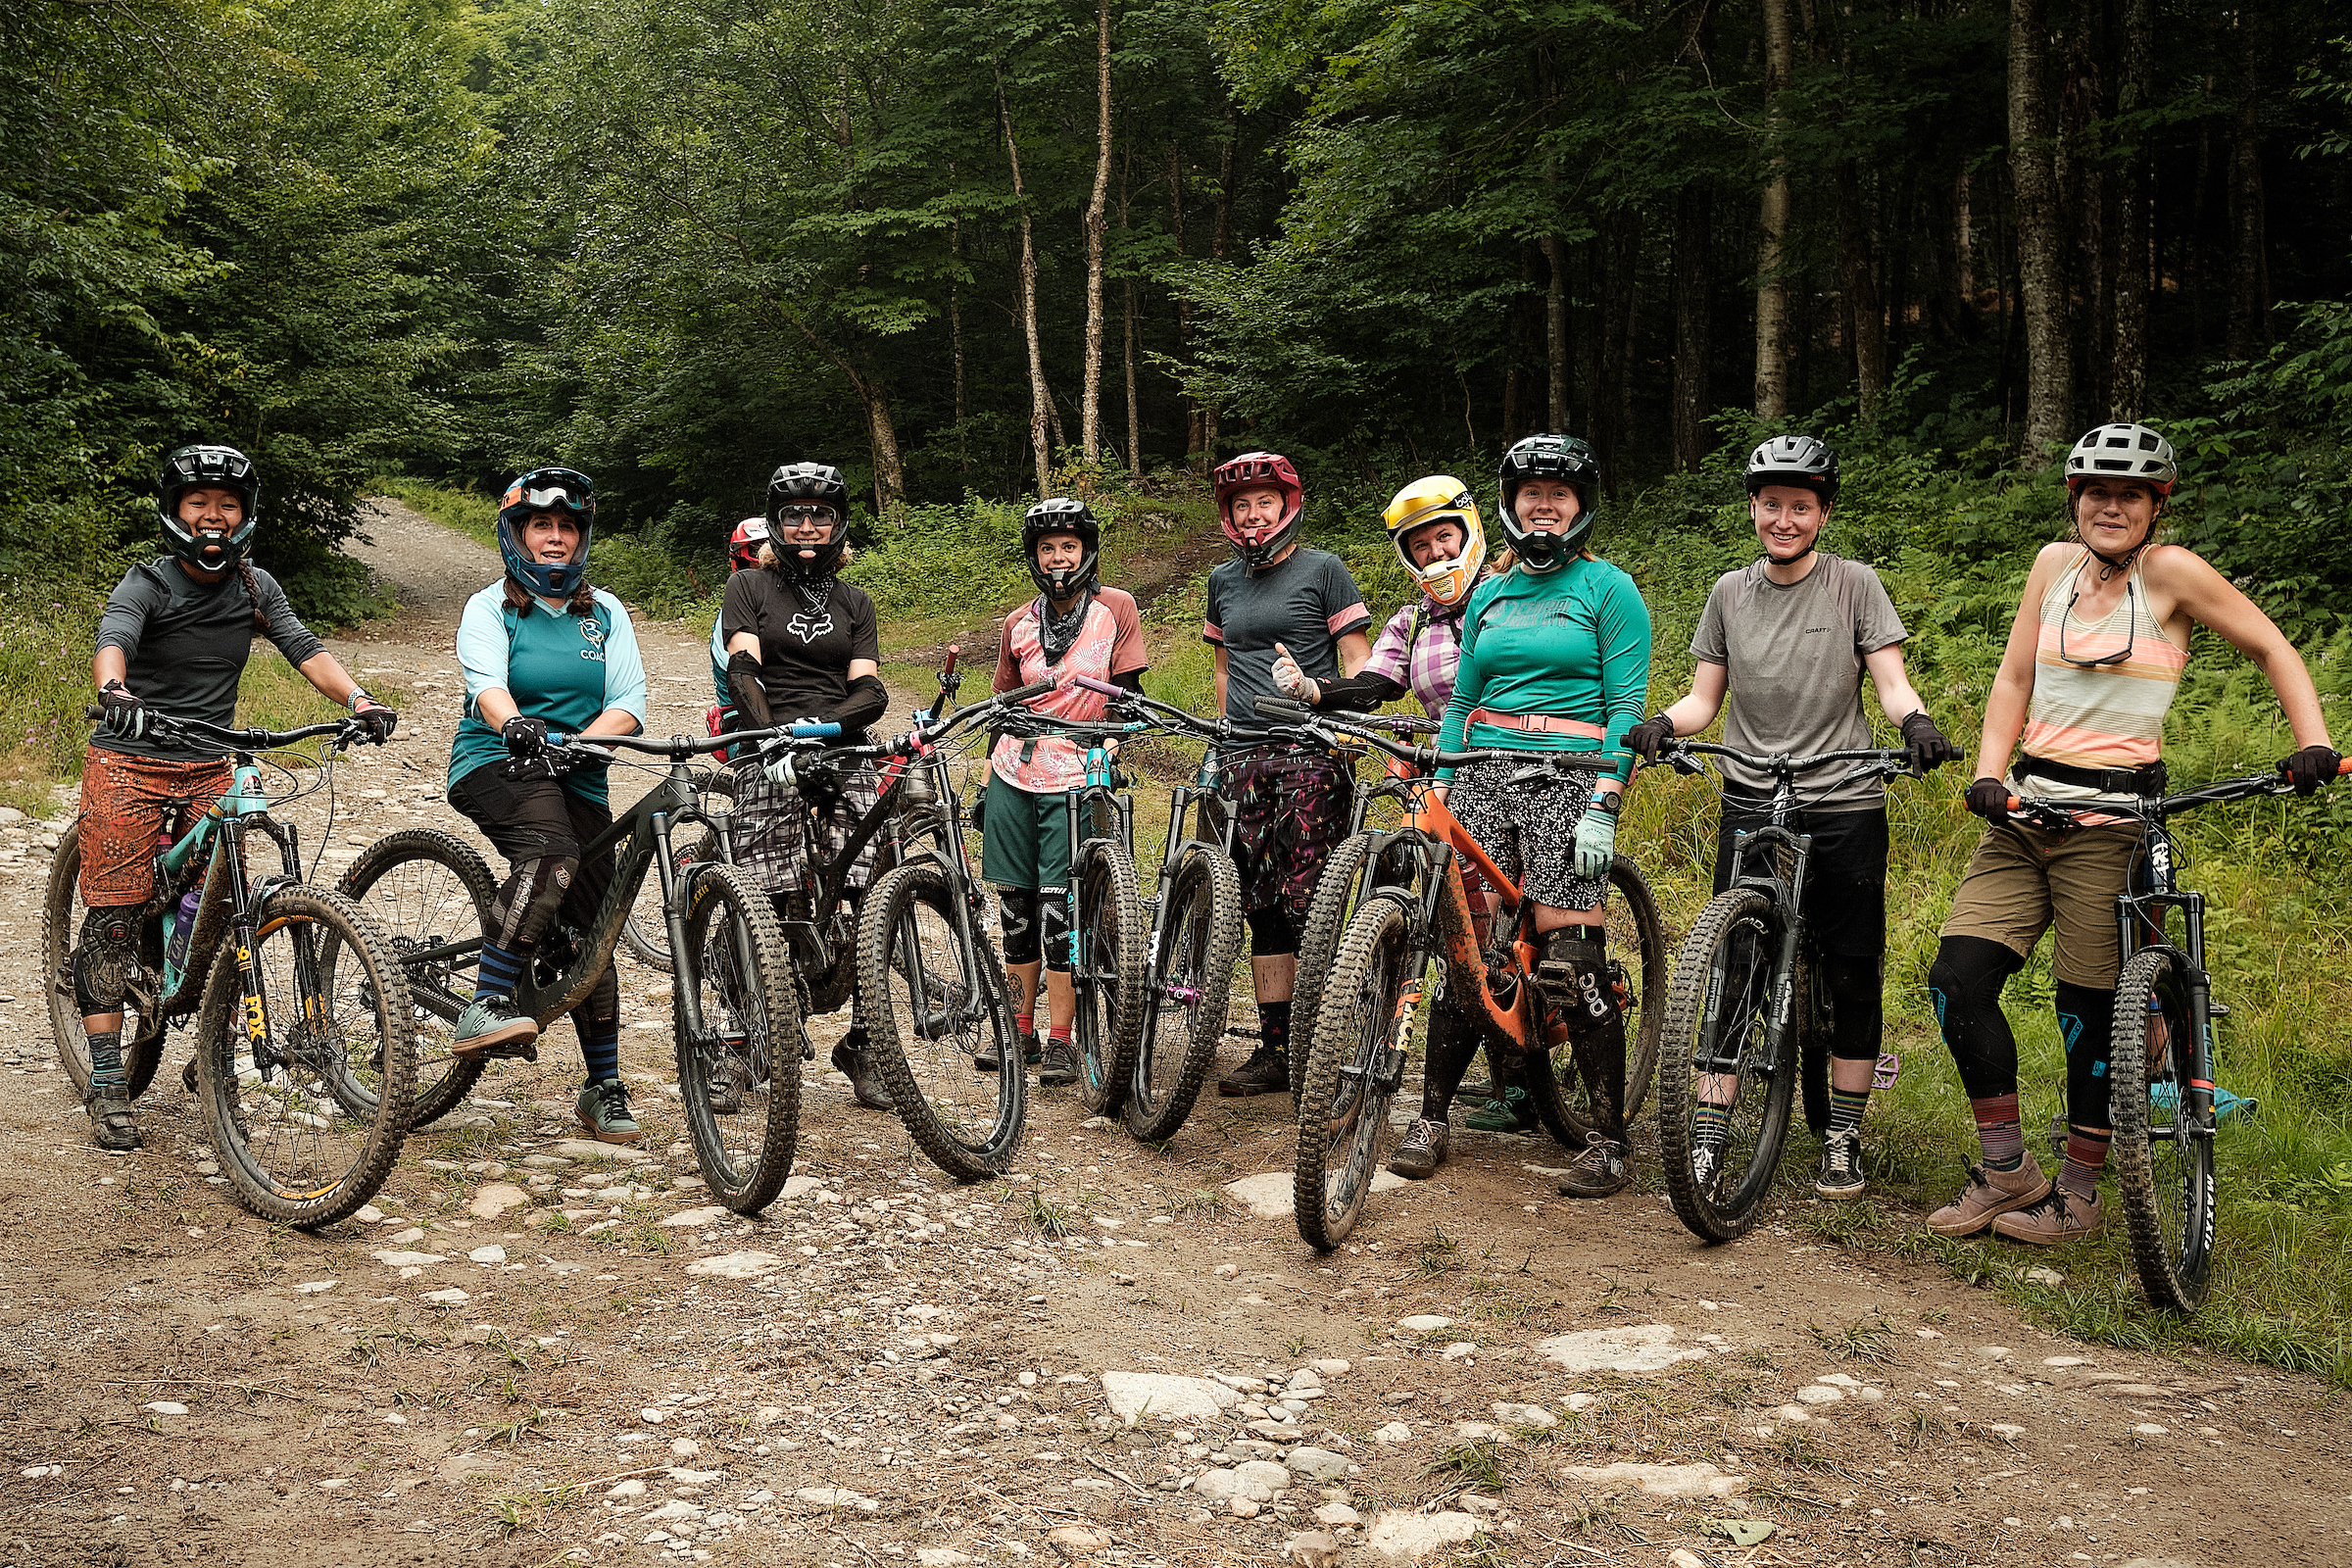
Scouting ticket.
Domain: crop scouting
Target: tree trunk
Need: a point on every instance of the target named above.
(2249, 307)
(1220, 239)
(1090, 409)
(1693, 291)
(1772, 283)
(1040, 399)
(2135, 271)
(1183, 309)
(1857, 261)
(2040, 238)
(889, 475)
(2083, 197)
(1556, 333)
(964, 455)
(1135, 406)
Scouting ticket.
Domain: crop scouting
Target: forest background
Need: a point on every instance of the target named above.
(972, 252)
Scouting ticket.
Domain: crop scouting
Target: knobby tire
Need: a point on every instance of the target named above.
(424, 888)
(1729, 955)
(1178, 1043)
(2166, 1182)
(1110, 982)
(741, 1090)
(1344, 1113)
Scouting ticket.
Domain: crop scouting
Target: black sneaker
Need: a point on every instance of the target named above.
(1841, 1175)
(1423, 1150)
(111, 1126)
(1602, 1170)
(988, 1060)
(730, 1077)
(1266, 1072)
(1060, 1064)
(855, 1063)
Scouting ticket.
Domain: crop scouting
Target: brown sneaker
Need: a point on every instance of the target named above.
(1423, 1150)
(1989, 1196)
(1602, 1170)
(2057, 1219)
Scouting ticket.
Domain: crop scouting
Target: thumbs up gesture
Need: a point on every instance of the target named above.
(1292, 681)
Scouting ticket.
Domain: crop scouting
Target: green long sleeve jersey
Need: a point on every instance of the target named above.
(1572, 643)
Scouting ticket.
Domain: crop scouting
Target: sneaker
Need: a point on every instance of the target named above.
(1060, 1064)
(2059, 1218)
(1602, 1170)
(1266, 1072)
(1841, 1175)
(1989, 1196)
(855, 1064)
(603, 1110)
(111, 1126)
(1423, 1150)
(491, 1027)
(730, 1079)
(1514, 1112)
(1704, 1161)
(988, 1060)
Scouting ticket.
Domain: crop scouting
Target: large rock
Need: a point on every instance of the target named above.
(1268, 1196)
(1264, 1473)
(495, 1199)
(1686, 1480)
(590, 1149)
(1317, 1464)
(1137, 1396)
(1413, 1536)
(736, 1265)
(1524, 1415)
(1635, 1347)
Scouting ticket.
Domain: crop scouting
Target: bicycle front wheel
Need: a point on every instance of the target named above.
(1635, 945)
(1185, 1003)
(645, 930)
(740, 1077)
(1343, 1114)
(2163, 1143)
(1338, 888)
(320, 1008)
(932, 1007)
(1107, 976)
(429, 891)
(1722, 1117)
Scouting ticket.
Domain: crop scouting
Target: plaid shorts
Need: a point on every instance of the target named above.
(123, 804)
(771, 827)
(1290, 809)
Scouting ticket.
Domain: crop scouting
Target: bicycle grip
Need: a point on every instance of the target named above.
(1284, 709)
(2343, 767)
(2013, 804)
(1022, 693)
(815, 732)
(1100, 688)
(92, 711)
(954, 652)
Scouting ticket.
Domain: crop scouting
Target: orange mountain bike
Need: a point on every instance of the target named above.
(1414, 937)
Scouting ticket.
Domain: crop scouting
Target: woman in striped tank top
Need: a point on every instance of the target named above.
(2094, 657)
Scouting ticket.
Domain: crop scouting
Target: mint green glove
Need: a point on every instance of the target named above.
(1597, 844)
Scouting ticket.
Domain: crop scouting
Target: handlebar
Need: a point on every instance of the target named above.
(1896, 758)
(347, 731)
(1427, 758)
(2066, 813)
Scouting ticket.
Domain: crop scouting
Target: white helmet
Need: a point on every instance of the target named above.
(2124, 451)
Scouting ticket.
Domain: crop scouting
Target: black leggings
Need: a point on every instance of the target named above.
(1858, 1011)
(1966, 984)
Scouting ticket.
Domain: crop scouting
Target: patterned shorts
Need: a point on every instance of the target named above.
(771, 827)
(1290, 811)
(124, 799)
(1530, 829)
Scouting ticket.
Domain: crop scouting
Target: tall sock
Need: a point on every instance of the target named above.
(106, 1055)
(1060, 1034)
(1845, 1109)
(1999, 1132)
(1024, 1023)
(1712, 1123)
(1274, 1024)
(600, 1048)
(1444, 1060)
(2085, 1157)
(501, 972)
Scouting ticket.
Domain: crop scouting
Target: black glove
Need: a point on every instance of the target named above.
(524, 737)
(1988, 797)
(1929, 748)
(1645, 738)
(126, 717)
(379, 720)
(2306, 770)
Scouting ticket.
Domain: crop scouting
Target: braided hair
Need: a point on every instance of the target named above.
(253, 592)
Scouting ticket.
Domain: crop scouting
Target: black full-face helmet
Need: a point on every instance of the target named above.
(1549, 457)
(804, 484)
(1063, 514)
(207, 467)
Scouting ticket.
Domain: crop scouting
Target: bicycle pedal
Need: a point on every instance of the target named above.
(2214, 1008)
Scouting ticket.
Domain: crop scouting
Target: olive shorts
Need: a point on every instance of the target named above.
(2022, 881)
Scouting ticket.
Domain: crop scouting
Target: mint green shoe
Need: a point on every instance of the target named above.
(1514, 1112)
(603, 1110)
(491, 1027)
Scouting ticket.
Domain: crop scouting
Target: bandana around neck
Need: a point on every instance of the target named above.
(1056, 635)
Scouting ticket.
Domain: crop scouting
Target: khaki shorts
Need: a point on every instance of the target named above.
(2022, 881)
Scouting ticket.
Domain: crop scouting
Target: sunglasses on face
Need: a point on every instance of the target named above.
(2130, 633)
(805, 517)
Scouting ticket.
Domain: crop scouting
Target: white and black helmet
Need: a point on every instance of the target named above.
(2124, 451)
(808, 483)
(1802, 461)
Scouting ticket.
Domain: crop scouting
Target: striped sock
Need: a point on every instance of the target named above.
(1711, 1123)
(1999, 1132)
(2085, 1157)
(1845, 1109)
(501, 972)
(600, 1048)
(106, 1056)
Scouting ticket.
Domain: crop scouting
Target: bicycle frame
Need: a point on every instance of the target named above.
(1786, 891)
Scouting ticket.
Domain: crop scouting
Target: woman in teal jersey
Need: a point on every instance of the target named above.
(1555, 657)
(544, 654)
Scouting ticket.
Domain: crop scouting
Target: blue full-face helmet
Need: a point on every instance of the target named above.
(546, 490)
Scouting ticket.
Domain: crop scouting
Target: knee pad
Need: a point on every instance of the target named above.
(528, 901)
(1271, 932)
(103, 959)
(1858, 1010)
(1023, 943)
(2086, 1023)
(603, 1007)
(1964, 984)
(1054, 927)
(1579, 967)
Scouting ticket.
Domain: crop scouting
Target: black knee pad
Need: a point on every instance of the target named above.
(529, 900)
(1271, 932)
(1580, 968)
(2086, 1023)
(1023, 943)
(1964, 984)
(1054, 927)
(603, 1005)
(103, 959)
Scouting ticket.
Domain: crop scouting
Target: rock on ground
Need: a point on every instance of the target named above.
(1132, 1395)
(1635, 1348)
(1661, 1480)
(1415, 1537)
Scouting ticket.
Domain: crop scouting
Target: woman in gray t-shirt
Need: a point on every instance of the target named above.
(1790, 638)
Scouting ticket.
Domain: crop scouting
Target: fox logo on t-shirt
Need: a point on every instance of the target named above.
(807, 630)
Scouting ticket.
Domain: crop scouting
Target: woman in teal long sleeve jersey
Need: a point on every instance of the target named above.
(1555, 657)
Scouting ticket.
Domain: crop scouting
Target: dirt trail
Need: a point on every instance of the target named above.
(890, 1368)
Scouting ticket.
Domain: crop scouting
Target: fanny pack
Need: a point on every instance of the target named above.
(2145, 781)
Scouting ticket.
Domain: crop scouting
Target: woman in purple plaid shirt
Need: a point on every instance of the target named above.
(1434, 526)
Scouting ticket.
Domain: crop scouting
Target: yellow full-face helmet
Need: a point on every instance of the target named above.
(1439, 498)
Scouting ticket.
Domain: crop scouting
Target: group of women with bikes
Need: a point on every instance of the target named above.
(1531, 668)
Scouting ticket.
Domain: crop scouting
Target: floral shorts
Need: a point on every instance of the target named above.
(1291, 810)
(124, 801)
(1528, 829)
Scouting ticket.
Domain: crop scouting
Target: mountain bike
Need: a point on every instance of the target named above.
(645, 931)
(734, 1006)
(1745, 1014)
(305, 1061)
(1414, 937)
(2160, 1069)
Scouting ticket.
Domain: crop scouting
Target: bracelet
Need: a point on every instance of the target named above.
(359, 694)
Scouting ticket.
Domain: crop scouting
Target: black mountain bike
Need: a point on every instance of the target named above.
(735, 1008)
(2161, 1066)
(1743, 1012)
(305, 1058)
